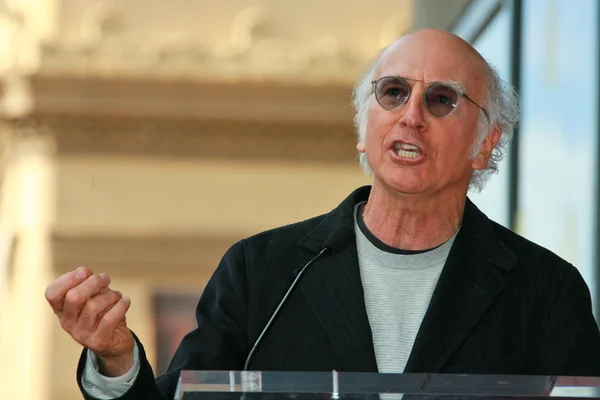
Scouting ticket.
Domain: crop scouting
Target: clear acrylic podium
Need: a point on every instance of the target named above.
(254, 385)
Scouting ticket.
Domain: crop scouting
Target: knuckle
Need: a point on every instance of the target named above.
(97, 280)
(108, 318)
(112, 318)
(94, 307)
(73, 297)
(114, 296)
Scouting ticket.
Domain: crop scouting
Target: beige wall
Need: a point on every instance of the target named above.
(128, 196)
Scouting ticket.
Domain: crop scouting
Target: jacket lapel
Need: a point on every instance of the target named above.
(333, 289)
(475, 272)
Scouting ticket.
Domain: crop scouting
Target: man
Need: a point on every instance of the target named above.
(429, 285)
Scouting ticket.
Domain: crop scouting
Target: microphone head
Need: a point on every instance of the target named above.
(339, 239)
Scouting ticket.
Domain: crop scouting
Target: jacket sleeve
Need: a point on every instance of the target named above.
(218, 343)
(571, 341)
(144, 386)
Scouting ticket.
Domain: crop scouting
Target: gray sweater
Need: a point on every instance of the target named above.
(398, 286)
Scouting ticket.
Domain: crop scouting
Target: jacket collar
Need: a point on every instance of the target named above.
(342, 215)
(477, 228)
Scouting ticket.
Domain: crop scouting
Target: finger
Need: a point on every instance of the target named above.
(111, 319)
(57, 290)
(106, 289)
(76, 298)
(95, 308)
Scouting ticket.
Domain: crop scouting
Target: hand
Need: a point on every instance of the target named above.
(94, 315)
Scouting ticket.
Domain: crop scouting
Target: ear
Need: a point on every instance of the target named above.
(361, 147)
(481, 159)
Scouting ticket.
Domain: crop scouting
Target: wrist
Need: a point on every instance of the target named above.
(115, 366)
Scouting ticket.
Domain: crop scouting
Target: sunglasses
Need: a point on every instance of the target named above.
(441, 100)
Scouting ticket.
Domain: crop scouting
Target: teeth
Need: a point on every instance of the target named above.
(408, 154)
(406, 150)
(405, 146)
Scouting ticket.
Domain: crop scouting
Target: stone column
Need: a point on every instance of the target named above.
(27, 211)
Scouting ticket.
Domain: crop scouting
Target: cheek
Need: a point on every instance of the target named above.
(380, 123)
(451, 144)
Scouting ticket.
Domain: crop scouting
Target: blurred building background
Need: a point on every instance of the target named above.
(141, 138)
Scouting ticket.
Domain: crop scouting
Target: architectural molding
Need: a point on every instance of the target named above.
(243, 100)
(193, 138)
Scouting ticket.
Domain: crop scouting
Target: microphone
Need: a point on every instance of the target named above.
(337, 241)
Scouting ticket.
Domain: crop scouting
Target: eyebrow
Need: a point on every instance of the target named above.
(456, 85)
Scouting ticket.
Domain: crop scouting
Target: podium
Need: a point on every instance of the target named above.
(272, 385)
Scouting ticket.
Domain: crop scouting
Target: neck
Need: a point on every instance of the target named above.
(413, 222)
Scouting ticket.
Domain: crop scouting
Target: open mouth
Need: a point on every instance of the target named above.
(406, 150)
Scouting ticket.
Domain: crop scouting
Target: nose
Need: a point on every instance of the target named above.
(413, 112)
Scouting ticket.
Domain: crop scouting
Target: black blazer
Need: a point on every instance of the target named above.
(503, 305)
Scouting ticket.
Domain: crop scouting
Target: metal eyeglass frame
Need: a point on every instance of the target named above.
(456, 86)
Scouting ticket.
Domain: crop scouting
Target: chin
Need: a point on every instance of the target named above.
(409, 189)
(405, 185)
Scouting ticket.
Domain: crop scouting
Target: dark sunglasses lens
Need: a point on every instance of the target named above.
(392, 93)
(441, 101)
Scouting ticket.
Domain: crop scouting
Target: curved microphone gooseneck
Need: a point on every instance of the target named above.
(336, 242)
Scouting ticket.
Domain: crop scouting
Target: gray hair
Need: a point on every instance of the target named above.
(502, 105)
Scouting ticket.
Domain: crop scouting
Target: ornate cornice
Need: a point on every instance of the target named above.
(256, 49)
